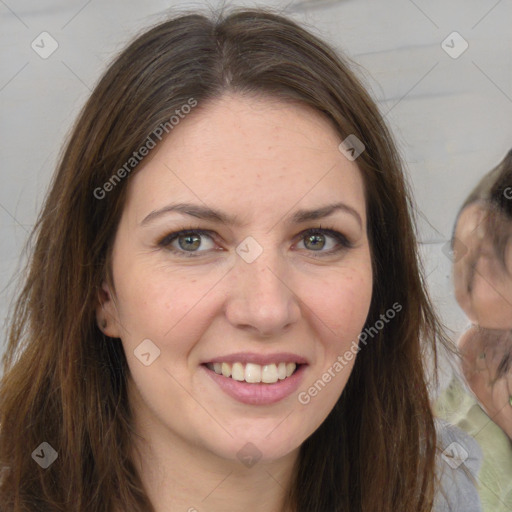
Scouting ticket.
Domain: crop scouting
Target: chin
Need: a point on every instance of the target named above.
(258, 444)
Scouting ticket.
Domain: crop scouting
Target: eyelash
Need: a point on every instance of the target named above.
(342, 240)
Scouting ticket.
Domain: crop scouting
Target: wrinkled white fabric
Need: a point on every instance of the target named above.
(461, 454)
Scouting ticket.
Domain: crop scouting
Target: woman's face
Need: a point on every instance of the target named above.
(259, 288)
(482, 286)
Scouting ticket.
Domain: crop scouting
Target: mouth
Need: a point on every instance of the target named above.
(253, 373)
(255, 379)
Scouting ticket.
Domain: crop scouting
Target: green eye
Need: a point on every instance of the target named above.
(189, 240)
(315, 240)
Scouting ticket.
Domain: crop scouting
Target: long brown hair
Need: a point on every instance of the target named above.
(64, 383)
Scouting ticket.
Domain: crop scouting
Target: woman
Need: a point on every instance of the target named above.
(483, 287)
(482, 272)
(228, 216)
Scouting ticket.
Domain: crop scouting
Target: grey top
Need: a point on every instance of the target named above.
(458, 464)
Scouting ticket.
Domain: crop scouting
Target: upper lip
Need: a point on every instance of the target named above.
(261, 359)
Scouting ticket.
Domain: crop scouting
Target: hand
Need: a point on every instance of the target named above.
(487, 368)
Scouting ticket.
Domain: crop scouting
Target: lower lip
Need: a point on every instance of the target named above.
(259, 393)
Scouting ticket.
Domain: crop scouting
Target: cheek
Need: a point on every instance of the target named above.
(339, 309)
(342, 303)
(156, 300)
(491, 306)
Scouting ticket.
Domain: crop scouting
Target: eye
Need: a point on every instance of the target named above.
(187, 242)
(317, 239)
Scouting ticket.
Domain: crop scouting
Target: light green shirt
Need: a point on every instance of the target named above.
(459, 408)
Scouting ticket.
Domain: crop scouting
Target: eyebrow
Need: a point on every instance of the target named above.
(206, 213)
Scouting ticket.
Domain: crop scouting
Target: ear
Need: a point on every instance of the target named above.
(106, 313)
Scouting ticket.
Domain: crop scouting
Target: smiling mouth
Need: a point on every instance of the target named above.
(254, 373)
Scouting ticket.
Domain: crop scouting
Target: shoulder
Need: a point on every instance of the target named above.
(459, 459)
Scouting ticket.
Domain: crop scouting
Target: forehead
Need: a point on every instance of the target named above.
(250, 153)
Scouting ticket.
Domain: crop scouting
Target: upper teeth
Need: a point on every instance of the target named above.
(253, 373)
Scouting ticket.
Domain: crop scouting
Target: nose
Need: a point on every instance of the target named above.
(261, 298)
